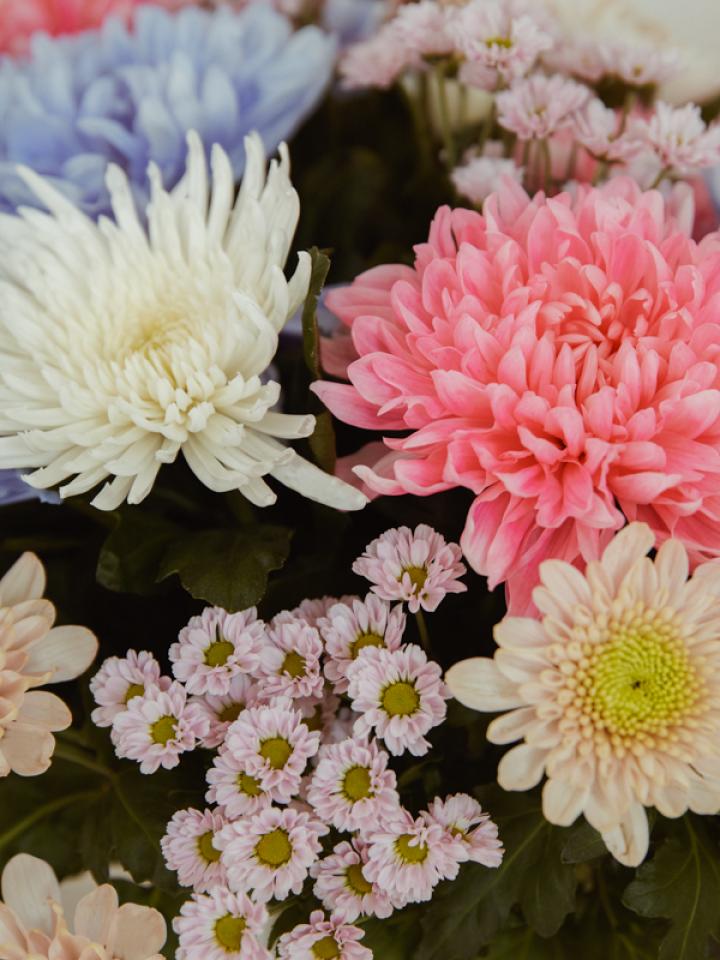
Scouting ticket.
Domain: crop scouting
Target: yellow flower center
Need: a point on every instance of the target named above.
(365, 640)
(356, 784)
(208, 852)
(326, 949)
(276, 751)
(505, 42)
(229, 932)
(355, 880)
(134, 690)
(274, 849)
(249, 785)
(418, 576)
(231, 712)
(163, 730)
(417, 853)
(400, 699)
(293, 664)
(217, 654)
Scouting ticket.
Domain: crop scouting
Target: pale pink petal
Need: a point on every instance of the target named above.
(628, 841)
(25, 580)
(65, 651)
(27, 885)
(478, 683)
(45, 710)
(521, 768)
(27, 749)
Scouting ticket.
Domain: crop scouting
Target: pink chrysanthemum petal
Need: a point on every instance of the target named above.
(290, 660)
(120, 679)
(223, 710)
(221, 925)
(323, 938)
(463, 818)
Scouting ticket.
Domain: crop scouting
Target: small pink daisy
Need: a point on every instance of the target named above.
(157, 727)
(309, 610)
(236, 792)
(350, 627)
(221, 926)
(341, 884)
(399, 694)
(422, 29)
(215, 647)
(679, 138)
(540, 106)
(188, 849)
(120, 679)
(290, 660)
(636, 64)
(600, 130)
(463, 818)
(273, 745)
(352, 787)
(479, 176)
(416, 566)
(271, 852)
(377, 62)
(328, 717)
(221, 711)
(323, 938)
(409, 857)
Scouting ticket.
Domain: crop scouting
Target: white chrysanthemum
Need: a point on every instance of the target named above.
(122, 346)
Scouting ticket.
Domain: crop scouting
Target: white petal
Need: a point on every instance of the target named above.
(563, 802)
(25, 580)
(44, 709)
(27, 748)
(629, 545)
(513, 725)
(478, 683)
(95, 913)
(315, 484)
(628, 841)
(139, 932)
(66, 651)
(27, 884)
(521, 768)
(519, 632)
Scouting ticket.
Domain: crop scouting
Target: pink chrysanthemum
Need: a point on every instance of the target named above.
(555, 356)
(679, 138)
(273, 745)
(377, 62)
(416, 566)
(329, 717)
(602, 132)
(479, 176)
(290, 660)
(399, 694)
(271, 852)
(310, 610)
(120, 679)
(409, 857)
(188, 849)
(342, 887)
(636, 64)
(221, 926)
(236, 792)
(352, 787)
(157, 727)
(355, 625)
(540, 106)
(422, 29)
(463, 818)
(222, 711)
(216, 647)
(323, 938)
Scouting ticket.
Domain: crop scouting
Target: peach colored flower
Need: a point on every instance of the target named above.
(33, 653)
(615, 691)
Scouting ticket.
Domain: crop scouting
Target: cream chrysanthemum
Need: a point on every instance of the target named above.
(122, 346)
(615, 690)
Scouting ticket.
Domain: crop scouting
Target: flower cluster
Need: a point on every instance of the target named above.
(294, 761)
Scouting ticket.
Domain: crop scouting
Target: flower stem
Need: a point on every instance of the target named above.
(72, 754)
(423, 630)
(445, 125)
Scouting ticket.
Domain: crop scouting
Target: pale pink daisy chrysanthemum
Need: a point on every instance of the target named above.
(355, 625)
(188, 848)
(273, 745)
(157, 727)
(221, 925)
(479, 176)
(290, 661)
(323, 938)
(353, 788)
(215, 647)
(539, 106)
(416, 566)
(222, 710)
(603, 132)
(399, 695)
(636, 64)
(236, 792)
(120, 679)
(614, 691)
(464, 819)
(679, 138)
(310, 610)
(270, 853)
(409, 856)
(422, 29)
(342, 887)
(328, 716)
(377, 62)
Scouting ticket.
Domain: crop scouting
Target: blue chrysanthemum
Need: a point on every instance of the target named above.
(130, 97)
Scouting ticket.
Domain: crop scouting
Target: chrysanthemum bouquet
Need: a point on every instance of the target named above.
(360, 392)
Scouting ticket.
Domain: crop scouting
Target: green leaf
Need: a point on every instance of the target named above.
(395, 938)
(583, 843)
(524, 944)
(682, 884)
(228, 568)
(130, 557)
(311, 336)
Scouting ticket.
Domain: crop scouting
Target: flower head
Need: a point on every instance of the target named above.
(221, 73)
(679, 138)
(352, 787)
(399, 695)
(236, 792)
(221, 925)
(377, 62)
(540, 106)
(421, 29)
(614, 690)
(157, 727)
(601, 131)
(120, 679)
(221, 711)
(323, 938)
(216, 647)
(271, 852)
(463, 818)
(164, 351)
(290, 660)
(343, 888)
(352, 626)
(188, 849)
(417, 566)
(479, 176)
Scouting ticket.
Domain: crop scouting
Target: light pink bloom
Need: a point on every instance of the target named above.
(352, 787)
(342, 887)
(221, 926)
(599, 129)
(422, 29)
(271, 852)
(273, 745)
(329, 717)
(323, 938)
(290, 661)
(479, 176)
(236, 792)
(417, 566)
(408, 857)
(221, 711)
(399, 695)
(309, 610)
(679, 138)
(615, 691)
(377, 62)
(637, 64)
(539, 106)
(119, 680)
(463, 818)
(188, 849)
(216, 647)
(157, 727)
(355, 625)
(553, 356)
